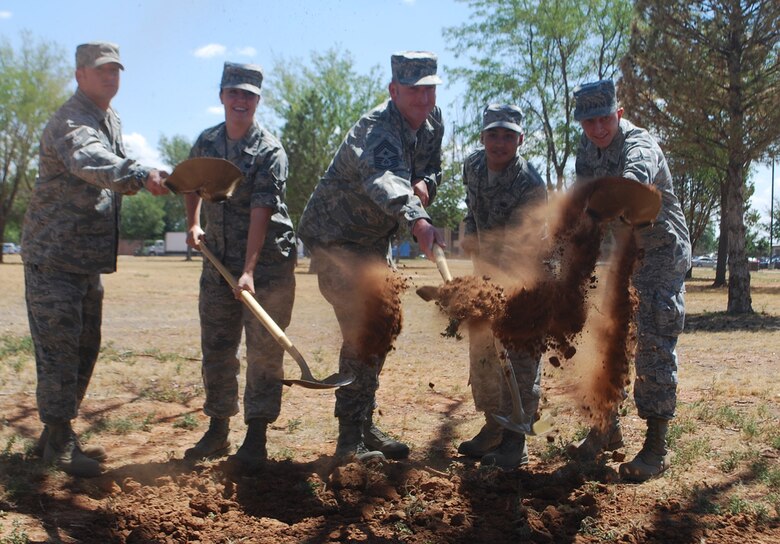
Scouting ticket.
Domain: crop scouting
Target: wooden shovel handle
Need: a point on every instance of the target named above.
(250, 301)
(307, 379)
(441, 262)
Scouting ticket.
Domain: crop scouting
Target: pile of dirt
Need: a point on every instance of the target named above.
(469, 298)
(291, 502)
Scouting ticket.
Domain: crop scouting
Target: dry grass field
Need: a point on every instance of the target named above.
(144, 407)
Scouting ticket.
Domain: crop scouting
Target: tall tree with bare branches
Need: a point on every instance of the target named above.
(707, 74)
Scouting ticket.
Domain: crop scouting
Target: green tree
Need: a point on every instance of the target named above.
(318, 103)
(142, 216)
(698, 189)
(533, 53)
(33, 84)
(707, 72)
(448, 208)
(173, 151)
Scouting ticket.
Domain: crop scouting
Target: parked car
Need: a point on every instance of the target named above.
(9, 248)
(704, 261)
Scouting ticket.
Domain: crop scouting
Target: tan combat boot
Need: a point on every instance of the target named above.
(252, 453)
(510, 454)
(487, 439)
(597, 441)
(62, 451)
(350, 445)
(98, 453)
(376, 439)
(214, 443)
(653, 458)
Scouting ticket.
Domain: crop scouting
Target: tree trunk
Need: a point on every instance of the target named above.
(723, 239)
(739, 300)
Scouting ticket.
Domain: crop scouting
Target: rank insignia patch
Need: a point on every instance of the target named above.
(386, 156)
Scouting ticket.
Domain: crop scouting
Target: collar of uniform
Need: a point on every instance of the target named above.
(613, 152)
(252, 139)
(408, 133)
(250, 142)
(512, 167)
(91, 107)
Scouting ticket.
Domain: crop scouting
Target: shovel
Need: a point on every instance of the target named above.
(306, 379)
(215, 179)
(429, 292)
(441, 262)
(212, 178)
(518, 420)
(635, 203)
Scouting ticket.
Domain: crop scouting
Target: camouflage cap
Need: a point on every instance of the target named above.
(502, 116)
(595, 100)
(248, 77)
(414, 68)
(94, 54)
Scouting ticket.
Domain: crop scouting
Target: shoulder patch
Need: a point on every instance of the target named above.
(386, 156)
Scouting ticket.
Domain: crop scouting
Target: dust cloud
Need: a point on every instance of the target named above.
(545, 300)
(371, 314)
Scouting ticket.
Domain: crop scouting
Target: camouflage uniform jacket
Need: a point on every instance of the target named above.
(634, 154)
(263, 161)
(366, 191)
(72, 222)
(494, 200)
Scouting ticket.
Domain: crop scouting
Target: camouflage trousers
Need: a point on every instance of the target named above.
(338, 282)
(489, 386)
(660, 320)
(223, 319)
(65, 312)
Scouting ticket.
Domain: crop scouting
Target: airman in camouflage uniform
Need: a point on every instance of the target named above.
(69, 238)
(389, 158)
(252, 235)
(612, 146)
(501, 187)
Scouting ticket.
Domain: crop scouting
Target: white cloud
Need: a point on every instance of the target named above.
(409, 2)
(247, 51)
(5, 14)
(215, 110)
(139, 149)
(210, 50)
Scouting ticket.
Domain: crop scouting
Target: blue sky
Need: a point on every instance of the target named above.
(173, 50)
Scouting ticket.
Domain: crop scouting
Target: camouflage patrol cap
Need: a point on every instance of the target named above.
(595, 100)
(414, 68)
(248, 77)
(94, 54)
(502, 116)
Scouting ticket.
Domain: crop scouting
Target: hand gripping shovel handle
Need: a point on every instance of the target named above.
(306, 379)
(441, 262)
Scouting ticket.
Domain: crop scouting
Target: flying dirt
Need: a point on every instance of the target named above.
(549, 314)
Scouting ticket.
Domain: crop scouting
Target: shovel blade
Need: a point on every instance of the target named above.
(333, 381)
(543, 426)
(538, 428)
(428, 292)
(511, 425)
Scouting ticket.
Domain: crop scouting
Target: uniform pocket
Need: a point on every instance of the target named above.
(669, 311)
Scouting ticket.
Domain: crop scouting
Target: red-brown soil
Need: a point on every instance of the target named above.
(146, 394)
